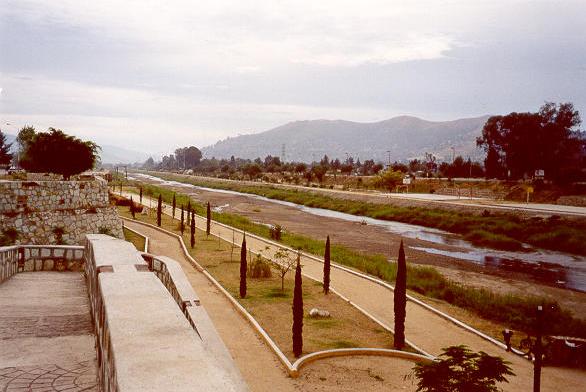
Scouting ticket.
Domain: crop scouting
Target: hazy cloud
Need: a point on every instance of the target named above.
(127, 72)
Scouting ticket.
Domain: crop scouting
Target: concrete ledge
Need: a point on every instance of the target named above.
(345, 352)
(144, 342)
(292, 368)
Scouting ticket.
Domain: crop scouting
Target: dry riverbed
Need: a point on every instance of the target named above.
(372, 239)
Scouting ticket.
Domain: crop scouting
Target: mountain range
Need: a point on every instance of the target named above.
(400, 138)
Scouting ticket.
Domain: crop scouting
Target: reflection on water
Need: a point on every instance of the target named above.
(555, 268)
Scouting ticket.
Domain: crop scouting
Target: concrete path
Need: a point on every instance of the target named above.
(423, 327)
(46, 333)
(258, 365)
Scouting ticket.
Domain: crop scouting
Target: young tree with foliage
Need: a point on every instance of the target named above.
(458, 369)
(192, 232)
(174, 205)
(159, 210)
(5, 155)
(284, 261)
(182, 223)
(400, 299)
(389, 179)
(208, 219)
(243, 268)
(132, 208)
(24, 137)
(298, 311)
(56, 152)
(327, 267)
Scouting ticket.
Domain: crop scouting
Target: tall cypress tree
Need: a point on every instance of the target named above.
(400, 299)
(327, 267)
(140, 195)
(298, 312)
(159, 210)
(192, 232)
(188, 207)
(174, 205)
(243, 268)
(182, 224)
(209, 219)
(132, 208)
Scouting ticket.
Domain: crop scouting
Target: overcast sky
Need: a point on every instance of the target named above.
(155, 75)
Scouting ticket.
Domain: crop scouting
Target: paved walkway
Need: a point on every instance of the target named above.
(258, 365)
(46, 333)
(423, 327)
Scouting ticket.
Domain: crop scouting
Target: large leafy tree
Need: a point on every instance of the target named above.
(25, 136)
(5, 155)
(56, 152)
(187, 157)
(520, 143)
(458, 369)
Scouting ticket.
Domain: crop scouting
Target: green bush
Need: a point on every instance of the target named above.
(259, 268)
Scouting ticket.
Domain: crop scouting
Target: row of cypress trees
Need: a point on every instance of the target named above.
(400, 292)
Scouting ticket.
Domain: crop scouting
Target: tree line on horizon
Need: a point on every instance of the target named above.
(517, 146)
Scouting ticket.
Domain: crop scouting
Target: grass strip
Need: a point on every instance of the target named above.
(499, 231)
(271, 307)
(513, 311)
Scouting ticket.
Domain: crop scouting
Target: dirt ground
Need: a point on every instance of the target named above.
(426, 329)
(258, 365)
(371, 239)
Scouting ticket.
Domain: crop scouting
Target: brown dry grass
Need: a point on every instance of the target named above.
(347, 327)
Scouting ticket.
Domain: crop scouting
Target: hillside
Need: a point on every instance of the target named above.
(405, 137)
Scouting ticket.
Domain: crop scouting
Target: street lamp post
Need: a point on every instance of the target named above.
(538, 351)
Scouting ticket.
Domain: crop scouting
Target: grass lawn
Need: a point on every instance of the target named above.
(511, 311)
(136, 240)
(347, 327)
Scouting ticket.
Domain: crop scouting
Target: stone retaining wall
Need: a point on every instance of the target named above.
(471, 192)
(49, 212)
(577, 201)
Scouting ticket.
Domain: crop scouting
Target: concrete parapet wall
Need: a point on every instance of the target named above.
(144, 341)
(49, 212)
(30, 258)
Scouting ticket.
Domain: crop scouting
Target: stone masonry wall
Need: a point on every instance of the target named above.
(43, 211)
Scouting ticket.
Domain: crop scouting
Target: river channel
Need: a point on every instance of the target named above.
(555, 268)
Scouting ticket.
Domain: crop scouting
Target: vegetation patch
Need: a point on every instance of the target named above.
(137, 240)
(506, 231)
(271, 307)
(513, 311)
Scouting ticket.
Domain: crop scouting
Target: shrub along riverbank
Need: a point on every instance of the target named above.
(511, 311)
(499, 231)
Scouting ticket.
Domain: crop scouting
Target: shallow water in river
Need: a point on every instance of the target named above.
(557, 268)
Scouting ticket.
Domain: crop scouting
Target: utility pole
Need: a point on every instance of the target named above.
(538, 349)
(389, 152)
